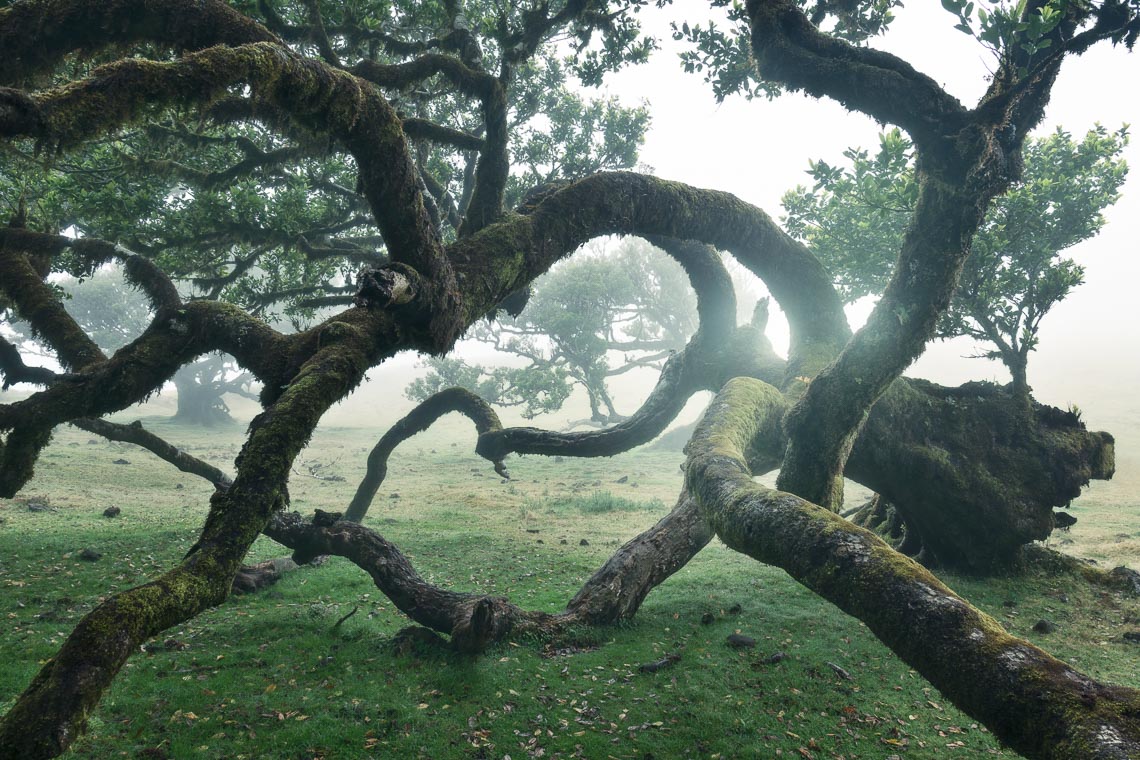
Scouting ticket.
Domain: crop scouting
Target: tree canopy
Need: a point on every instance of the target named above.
(370, 89)
(854, 217)
(631, 300)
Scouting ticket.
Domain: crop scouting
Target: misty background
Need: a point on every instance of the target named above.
(759, 149)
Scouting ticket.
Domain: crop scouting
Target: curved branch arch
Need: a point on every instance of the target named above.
(416, 421)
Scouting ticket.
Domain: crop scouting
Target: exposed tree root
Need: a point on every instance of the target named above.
(1038, 705)
(968, 476)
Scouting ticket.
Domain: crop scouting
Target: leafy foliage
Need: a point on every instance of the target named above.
(267, 216)
(107, 308)
(854, 218)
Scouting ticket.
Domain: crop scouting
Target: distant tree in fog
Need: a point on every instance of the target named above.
(592, 318)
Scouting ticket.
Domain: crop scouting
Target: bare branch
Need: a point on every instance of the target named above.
(416, 421)
(138, 435)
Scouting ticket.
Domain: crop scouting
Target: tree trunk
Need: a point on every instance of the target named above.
(200, 402)
(973, 476)
(1018, 364)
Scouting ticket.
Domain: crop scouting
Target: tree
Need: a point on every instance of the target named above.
(267, 218)
(633, 300)
(110, 312)
(854, 217)
(805, 415)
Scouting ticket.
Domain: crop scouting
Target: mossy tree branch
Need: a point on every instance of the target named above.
(475, 621)
(37, 34)
(52, 712)
(791, 50)
(418, 420)
(39, 304)
(1034, 703)
(964, 160)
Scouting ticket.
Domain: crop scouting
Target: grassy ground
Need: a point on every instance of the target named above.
(274, 676)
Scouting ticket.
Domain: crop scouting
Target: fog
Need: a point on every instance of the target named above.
(759, 149)
(1088, 346)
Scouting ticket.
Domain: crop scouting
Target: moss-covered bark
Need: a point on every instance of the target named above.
(36, 35)
(1031, 701)
(39, 304)
(476, 621)
(964, 158)
(972, 474)
(428, 294)
(51, 713)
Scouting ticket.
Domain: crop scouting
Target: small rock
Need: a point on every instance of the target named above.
(533, 530)
(563, 541)
(90, 555)
(1127, 578)
(1009, 603)
(92, 441)
(622, 479)
(839, 671)
(179, 487)
(394, 496)
(583, 542)
(1044, 626)
(772, 659)
(111, 512)
(540, 541)
(121, 461)
(1132, 637)
(174, 644)
(434, 451)
(707, 618)
(653, 667)
(740, 641)
(38, 506)
(735, 609)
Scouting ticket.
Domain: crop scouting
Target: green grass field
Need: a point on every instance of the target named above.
(273, 676)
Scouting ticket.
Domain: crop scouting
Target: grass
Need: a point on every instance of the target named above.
(598, 502)
(273, 675)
